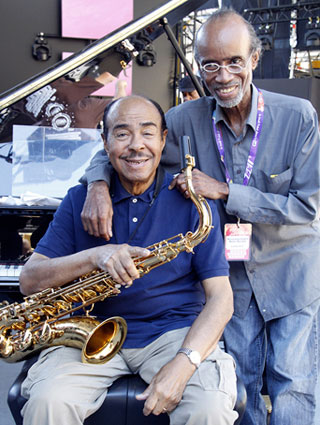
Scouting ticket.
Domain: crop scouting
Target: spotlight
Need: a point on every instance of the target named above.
(312, 34)
(312, 38)
(266, 42)
(41, 50)
(147, 56)
(265, 33)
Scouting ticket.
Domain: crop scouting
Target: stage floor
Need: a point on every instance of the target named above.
(8, 373)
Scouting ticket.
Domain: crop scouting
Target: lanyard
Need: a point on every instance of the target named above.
(253, 147)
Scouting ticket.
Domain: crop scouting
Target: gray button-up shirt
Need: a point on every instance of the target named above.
(281, 200)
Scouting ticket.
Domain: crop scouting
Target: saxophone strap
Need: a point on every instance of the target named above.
(159, 181)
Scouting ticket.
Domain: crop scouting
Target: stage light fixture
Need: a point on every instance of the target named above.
(265, 33)
(147, 56)
(41, 50)
(312, 35)
(312, 38)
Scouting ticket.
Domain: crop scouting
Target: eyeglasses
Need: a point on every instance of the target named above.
(233, 68)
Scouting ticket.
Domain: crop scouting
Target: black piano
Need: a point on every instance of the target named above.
(20, 230)
(51, 99)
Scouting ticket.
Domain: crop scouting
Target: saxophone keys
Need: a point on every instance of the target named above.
(62, 305)
(46, 334)
(25, 342)
(88, 294)
(34, 317)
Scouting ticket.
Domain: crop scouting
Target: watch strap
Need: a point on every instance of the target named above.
(187, 352)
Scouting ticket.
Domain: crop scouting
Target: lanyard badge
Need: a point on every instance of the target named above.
(237, 241)
(238, 235)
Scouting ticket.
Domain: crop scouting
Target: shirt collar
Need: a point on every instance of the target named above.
(119, 193)
(251, 120)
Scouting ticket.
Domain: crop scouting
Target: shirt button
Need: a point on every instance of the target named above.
(134, 200)
(264, 310)
(238, 171)
(134, 219)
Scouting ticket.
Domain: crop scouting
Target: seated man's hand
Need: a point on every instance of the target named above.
(97, 211)
(165, 390)
(118, 261)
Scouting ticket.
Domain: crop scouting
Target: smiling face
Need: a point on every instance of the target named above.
(135, 142)
(227, 41)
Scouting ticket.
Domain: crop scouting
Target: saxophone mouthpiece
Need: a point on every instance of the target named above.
(185, 151)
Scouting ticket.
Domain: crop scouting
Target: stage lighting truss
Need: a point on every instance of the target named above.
(304, 62)
(185, 34)
(283, 13)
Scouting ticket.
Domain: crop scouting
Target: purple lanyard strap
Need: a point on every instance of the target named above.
(253, 147)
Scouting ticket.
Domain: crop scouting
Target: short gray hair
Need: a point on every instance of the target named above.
(255, 42)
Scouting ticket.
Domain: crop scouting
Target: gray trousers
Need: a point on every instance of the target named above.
(61, 390)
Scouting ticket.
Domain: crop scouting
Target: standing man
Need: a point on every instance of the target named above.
(258, 153)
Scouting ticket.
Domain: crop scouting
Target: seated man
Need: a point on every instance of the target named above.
(182, 304)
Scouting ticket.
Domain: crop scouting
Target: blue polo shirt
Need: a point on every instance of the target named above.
(170, 296)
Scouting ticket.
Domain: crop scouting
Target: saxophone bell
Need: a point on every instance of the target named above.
(104, 341)
(98, 341)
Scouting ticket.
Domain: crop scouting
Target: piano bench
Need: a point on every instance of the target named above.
(120, 406)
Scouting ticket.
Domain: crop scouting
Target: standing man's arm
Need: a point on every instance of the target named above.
(296, 199)
(167, 386)
(97, 211)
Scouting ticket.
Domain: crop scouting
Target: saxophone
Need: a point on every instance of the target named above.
(45, 319)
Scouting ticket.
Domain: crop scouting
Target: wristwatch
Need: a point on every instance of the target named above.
(192, 355)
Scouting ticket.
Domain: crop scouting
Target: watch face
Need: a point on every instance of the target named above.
(195, 357)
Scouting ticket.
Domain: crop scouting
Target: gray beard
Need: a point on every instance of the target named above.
(229, 103)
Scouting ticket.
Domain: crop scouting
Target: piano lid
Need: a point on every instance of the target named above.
(60, 99)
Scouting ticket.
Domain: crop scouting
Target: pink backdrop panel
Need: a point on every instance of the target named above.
(110, 89)
(94, 19)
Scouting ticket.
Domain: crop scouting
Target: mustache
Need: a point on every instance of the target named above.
(136, 156)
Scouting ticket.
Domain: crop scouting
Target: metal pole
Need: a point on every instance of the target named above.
(177, 48)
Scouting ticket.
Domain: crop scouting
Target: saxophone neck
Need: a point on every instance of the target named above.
(204, 210)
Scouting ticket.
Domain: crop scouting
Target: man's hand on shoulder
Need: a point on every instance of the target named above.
(203, 185)
(97, 211)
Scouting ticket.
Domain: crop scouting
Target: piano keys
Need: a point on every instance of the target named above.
(9, 274)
